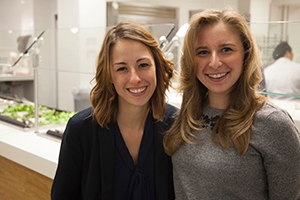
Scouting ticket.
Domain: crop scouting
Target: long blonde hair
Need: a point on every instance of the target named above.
(103, 96)
(234, 126)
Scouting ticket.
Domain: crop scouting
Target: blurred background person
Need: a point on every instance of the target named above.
(283, 76)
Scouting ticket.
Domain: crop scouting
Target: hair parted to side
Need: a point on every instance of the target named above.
(235, 124)
(103, 96)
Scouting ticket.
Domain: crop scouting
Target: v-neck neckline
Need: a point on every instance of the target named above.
(147, 140)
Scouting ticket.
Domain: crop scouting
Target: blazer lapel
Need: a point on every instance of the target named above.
(107, 159)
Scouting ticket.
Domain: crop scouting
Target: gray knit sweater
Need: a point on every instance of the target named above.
(269, 170)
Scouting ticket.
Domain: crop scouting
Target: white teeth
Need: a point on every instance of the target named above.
(137, 90)
(216, 75)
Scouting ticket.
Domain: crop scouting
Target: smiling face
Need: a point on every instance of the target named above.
(219, 56)
(133, 73)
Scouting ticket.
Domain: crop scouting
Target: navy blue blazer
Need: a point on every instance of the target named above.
(87, 155)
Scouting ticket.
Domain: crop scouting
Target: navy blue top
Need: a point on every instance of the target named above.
(87, 159)
(135, 182)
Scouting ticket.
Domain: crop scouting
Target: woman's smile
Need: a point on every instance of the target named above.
(137, 90)
(216, 76)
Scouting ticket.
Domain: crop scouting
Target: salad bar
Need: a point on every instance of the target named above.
(22, 114)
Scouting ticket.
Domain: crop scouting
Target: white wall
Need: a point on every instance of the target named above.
(77, 52)
(16, 15)
(44, 12)
(187, 5)
(261, 8)
(17, 18)
(293, 31)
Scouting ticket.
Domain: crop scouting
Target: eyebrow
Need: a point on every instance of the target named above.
(119, 63)
(146, 58)
(228, 44)
(124, 63)
(222, 45)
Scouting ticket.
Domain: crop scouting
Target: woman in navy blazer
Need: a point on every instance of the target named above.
(114, 149)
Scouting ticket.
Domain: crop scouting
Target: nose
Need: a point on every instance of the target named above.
(134, 76)
(215, 61)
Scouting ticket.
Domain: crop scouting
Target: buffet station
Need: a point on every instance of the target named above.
(30, 136)
(21, 143)
(21, 114)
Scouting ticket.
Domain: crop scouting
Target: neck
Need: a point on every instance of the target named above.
(289, 55)
(133, 118)
(219, 101)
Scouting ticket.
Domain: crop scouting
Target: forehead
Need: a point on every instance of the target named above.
(216, 35)
(125, 45)
(127, 49)
(217, 32)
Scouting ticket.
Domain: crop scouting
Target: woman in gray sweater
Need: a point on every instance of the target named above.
(229, 141)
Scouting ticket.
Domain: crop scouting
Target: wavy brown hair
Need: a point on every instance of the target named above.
(234, 126)
(103, 96)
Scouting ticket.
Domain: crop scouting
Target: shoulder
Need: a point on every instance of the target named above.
(168, 119)
(82, 115)
(270, 113)
(171, 112)
(82, 120)
(274, 133)
(170, 109)
(296, 64)
(271, 119)
(83, 128)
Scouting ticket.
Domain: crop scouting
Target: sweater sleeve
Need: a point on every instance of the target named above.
(277, 139)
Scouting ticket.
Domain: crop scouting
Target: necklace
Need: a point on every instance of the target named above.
(209, 121)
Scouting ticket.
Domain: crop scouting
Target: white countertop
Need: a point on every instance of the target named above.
(36, 151)
(10, 77)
